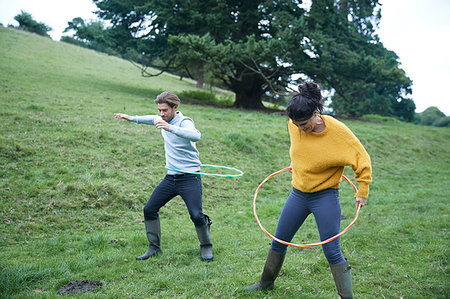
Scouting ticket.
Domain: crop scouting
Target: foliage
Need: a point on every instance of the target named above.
(347, 56)
(432, 116)
(92, 35)
(73, 41)
(442, 122)
(203, 32)
(74, 181)
(204, 98)
(253, 48)
(379, 118)
(27, 23)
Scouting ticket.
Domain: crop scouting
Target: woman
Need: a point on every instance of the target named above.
(321, 147)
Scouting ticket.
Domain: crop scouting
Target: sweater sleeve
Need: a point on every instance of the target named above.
(186, 130)
(145, 119)
(362, 168)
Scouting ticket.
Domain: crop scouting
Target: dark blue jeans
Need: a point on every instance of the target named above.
(325, 207)
(188, 186)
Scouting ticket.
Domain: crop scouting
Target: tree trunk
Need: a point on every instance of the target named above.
(248, 101)
(200, 76)
(248, 92)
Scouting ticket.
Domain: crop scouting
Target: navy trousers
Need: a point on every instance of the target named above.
(188, 186)
(325, 207)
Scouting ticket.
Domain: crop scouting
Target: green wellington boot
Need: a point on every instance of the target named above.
(206, 250)
(153, 229)
(271, 270)
(343, 279)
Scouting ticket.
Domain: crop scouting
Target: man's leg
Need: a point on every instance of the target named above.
(190, 189)
(160, 196)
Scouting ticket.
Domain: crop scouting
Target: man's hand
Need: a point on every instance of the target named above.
(161, 124)
(122, 116)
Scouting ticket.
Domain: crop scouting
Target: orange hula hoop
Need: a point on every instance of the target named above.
(301, 245)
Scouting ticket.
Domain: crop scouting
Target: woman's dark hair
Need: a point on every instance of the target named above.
(305, 102)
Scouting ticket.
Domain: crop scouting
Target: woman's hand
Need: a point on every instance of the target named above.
(161, 124)
(361, 200)
(122, 116)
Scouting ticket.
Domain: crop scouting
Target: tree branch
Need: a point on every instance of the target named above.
(261, 73)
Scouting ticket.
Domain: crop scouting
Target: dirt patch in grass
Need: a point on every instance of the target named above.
(79, 286)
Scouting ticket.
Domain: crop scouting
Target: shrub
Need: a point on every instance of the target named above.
(379, 118)
(204, 98)
(430, 116)
(442, 122)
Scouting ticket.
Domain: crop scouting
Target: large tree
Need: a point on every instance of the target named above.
(240, 41)
(346, 56)
(255, 46)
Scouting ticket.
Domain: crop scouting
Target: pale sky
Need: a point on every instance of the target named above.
(417, 31)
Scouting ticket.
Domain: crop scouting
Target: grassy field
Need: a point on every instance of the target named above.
(74, 180)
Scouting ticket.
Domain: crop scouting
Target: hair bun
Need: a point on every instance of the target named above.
(310, 90)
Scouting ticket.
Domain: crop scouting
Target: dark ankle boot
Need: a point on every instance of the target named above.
(153, 229)
(271, 270)
(343, 279)
(206, 251)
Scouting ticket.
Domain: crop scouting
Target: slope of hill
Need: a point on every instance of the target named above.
(74, 181)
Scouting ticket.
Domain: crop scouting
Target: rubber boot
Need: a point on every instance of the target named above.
(153, 229)
(206, 250)
(271, 270)
(343, 279)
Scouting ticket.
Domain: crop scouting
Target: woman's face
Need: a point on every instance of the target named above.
(307, 125)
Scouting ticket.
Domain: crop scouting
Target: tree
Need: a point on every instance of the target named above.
(442, 122)
(254, 47)
(238, 39)
(432, 116)
(92, 35)
(27, 23)
(345, 55)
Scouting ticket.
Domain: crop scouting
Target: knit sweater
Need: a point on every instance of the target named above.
(318, 159)
(179, 142)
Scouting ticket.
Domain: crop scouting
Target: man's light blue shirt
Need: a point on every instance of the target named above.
(179, 142)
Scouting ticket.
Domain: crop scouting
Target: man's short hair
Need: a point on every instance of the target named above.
(168, 98)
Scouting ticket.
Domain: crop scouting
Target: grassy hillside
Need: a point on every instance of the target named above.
(74, 181)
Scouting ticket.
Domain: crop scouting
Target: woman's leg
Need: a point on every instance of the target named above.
(328, 218)
(327, 212)
(292, 216)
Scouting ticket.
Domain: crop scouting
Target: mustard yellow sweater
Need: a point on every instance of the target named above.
(318, 159)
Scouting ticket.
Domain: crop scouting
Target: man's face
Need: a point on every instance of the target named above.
(166, 112)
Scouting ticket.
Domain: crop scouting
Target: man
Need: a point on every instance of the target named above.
(179, 134)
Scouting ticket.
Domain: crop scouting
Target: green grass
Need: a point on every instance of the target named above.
(74, 180)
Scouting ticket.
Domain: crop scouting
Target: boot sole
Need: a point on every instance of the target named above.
(146, 258)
